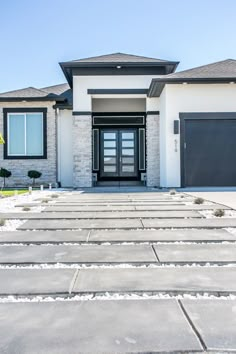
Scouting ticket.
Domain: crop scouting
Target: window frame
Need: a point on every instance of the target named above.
(6, 112)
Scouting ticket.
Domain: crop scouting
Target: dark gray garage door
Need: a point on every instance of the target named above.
(208, 151)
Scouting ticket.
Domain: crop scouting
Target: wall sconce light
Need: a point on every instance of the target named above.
(176, 127)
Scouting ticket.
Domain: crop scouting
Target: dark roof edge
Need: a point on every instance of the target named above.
(44, 98)
(113, 63)
(157, 85)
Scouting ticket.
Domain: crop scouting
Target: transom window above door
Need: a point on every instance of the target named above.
(25, 133)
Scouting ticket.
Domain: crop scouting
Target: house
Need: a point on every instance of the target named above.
(127, 119)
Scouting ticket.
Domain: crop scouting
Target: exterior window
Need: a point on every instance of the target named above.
(25, 133)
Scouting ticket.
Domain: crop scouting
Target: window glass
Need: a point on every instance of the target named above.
(111, 168)
(110, 143)
(109, 152)
(16, 134)
(129, 152)
(25, 134)
(109, 160)
(128, 160)
(128, 168)
(34, 134)
(127, 135)
(109, 135)
(127, 143)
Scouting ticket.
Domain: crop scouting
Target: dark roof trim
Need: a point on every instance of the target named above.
(117, 91)
(153, 112)
(20, 99)
(81, 113)
(116, 68)
(63, 106)
(157, 85)
(73, 64)
(207, 115)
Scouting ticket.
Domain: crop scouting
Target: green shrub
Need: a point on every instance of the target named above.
(172, 192)
(2, 222)
(34, 175)
(44, 200)
(219, 213)
(198, 201)
(54, 196)
(4, 174)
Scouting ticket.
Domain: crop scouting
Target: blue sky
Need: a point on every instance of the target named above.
(37, 34)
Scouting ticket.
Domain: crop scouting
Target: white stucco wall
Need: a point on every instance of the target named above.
(119, 105)
(65, 152)
(82, 101)
(187, 98)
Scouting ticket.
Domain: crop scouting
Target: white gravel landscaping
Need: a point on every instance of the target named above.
(209, 214)
(116, 296)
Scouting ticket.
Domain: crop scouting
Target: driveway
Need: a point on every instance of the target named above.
(141, 272)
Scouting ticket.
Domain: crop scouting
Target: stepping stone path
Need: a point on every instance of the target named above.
(152, 255)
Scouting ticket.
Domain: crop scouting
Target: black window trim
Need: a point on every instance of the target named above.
(5, 131)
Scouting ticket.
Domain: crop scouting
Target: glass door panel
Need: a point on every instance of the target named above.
(128, 153)
(109, 154)
(118, 153)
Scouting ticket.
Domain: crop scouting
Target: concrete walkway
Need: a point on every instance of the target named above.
(141, 272)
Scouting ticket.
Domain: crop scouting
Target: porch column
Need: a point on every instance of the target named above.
(82, 149)
(153, 149)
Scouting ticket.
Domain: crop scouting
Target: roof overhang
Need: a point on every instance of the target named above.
(157, 85)
(35, 99)
(71, 68)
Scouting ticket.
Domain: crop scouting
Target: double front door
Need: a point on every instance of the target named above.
(118, 154)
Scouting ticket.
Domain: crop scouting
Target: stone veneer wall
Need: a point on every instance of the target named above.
(20, 168)
(82, 150)
(153, 150)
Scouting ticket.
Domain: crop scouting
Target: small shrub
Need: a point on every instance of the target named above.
(54, 196)
(219, 213)
(4, 174)
(34, 175)
(2, 222)
(198, 201)
(182, 196)
(26, 209)
(44, 200)
(172, 192)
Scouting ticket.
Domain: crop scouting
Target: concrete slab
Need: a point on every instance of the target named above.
(35, 281)
(122, 204)
(77, 254)
(112, 327)
(174, 280)
(101, 215)
(215, 321)
(181, 207)
(43, 236)
(89, 208)
(161, 235)
(189, 223)
(81, 224)
(212, 253)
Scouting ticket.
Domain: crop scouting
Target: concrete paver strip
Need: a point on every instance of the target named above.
(35, 281)
(161, 235)
(102, 215)
(95, 327)
(44, 236)
(77, 254)
(81, 224)
(213, 223)
(176, 280)
(178, 253)
(215, 320)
